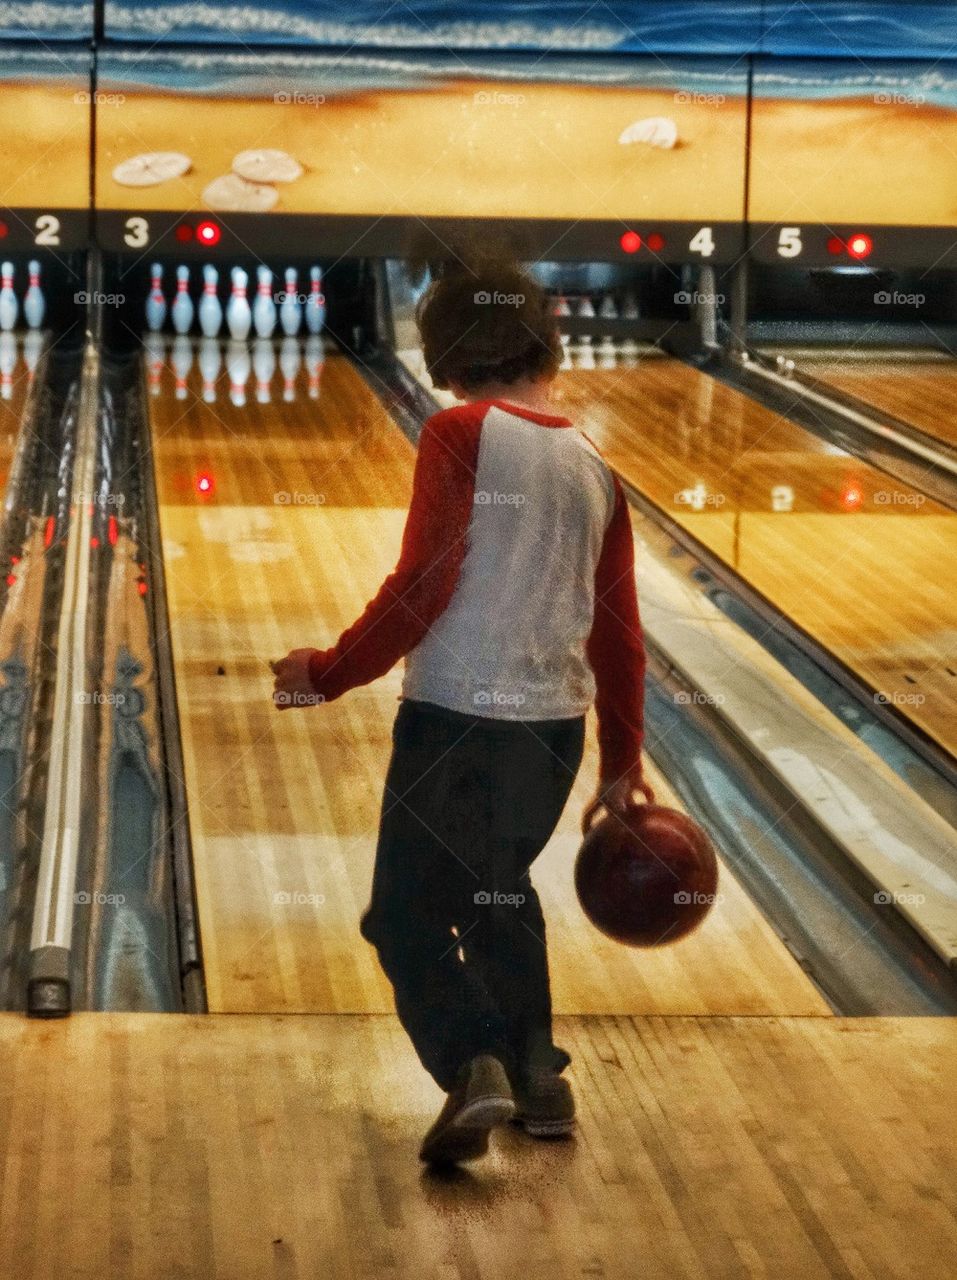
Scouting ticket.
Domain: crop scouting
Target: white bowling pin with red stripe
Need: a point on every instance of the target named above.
(9, 307)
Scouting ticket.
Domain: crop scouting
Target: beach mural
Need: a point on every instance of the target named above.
(882, 28)
(848, 145)
(553, 26)
(636, 142)
(45, 125)
(46, 20)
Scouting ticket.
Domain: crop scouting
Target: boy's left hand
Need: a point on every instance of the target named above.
(293, 688)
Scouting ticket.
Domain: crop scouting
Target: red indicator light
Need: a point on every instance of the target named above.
(852, 497)
(94, 542)
(14, 559)
(835, 245)
(656, 242)
(112, 530)
(184, 233)
(204, 483)
(859, 246)
(11, 579)
(141, 588)
(630, 242)
(208, 233)
(49, 531)
(4, 230)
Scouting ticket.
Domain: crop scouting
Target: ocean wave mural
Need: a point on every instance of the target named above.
(823, 28)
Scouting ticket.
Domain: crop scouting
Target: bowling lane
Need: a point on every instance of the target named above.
(859, 561)
(279, 521)
(922, 393)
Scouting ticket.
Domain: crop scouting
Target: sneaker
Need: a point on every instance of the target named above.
(545, 1105)
(481, 1100)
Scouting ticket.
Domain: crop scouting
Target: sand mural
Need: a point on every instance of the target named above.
(460, 147)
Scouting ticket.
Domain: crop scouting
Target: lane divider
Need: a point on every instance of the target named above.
(49, 978)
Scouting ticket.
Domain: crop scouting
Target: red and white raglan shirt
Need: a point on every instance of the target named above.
(514, 596)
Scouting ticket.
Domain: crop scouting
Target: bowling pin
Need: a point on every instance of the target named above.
(8, 362)
(264, 308)
(264, 366)
(290, 360)
(606, 354)
(210, 308)
(239, 318)
(210, 363)
(566, 352)
(34, 304)
(182, 362)
(629, 353)
(607, 309)
(182, 309)
(629, 310)
(32, 350)
(155, 303)
(584, 356)
(290, 314)
(238, 366)
(586, 311)
(315, 303)
(9, 307)
(315, 358)
(155, 346)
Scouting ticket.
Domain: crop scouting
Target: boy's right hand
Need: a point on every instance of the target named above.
(617, 796)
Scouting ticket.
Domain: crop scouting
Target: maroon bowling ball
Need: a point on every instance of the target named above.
(648, 878)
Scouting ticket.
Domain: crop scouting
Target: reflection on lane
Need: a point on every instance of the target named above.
(922, 392)
(861, 562)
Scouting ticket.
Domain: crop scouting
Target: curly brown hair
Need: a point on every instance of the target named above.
(484, 321)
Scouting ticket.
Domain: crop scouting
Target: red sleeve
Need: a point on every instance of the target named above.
(616, 650)
(420, 587)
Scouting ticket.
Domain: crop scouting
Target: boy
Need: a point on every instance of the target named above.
(514, 603)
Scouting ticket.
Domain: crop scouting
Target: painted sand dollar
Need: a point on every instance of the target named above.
(655, 131)
(267, 165)
(151, 168)
(234, 194)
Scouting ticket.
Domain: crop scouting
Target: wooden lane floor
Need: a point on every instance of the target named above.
(921, 393)
(284, 1148)
(301, 524)
(857, 560)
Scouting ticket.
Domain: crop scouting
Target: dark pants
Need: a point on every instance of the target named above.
(469, 803)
